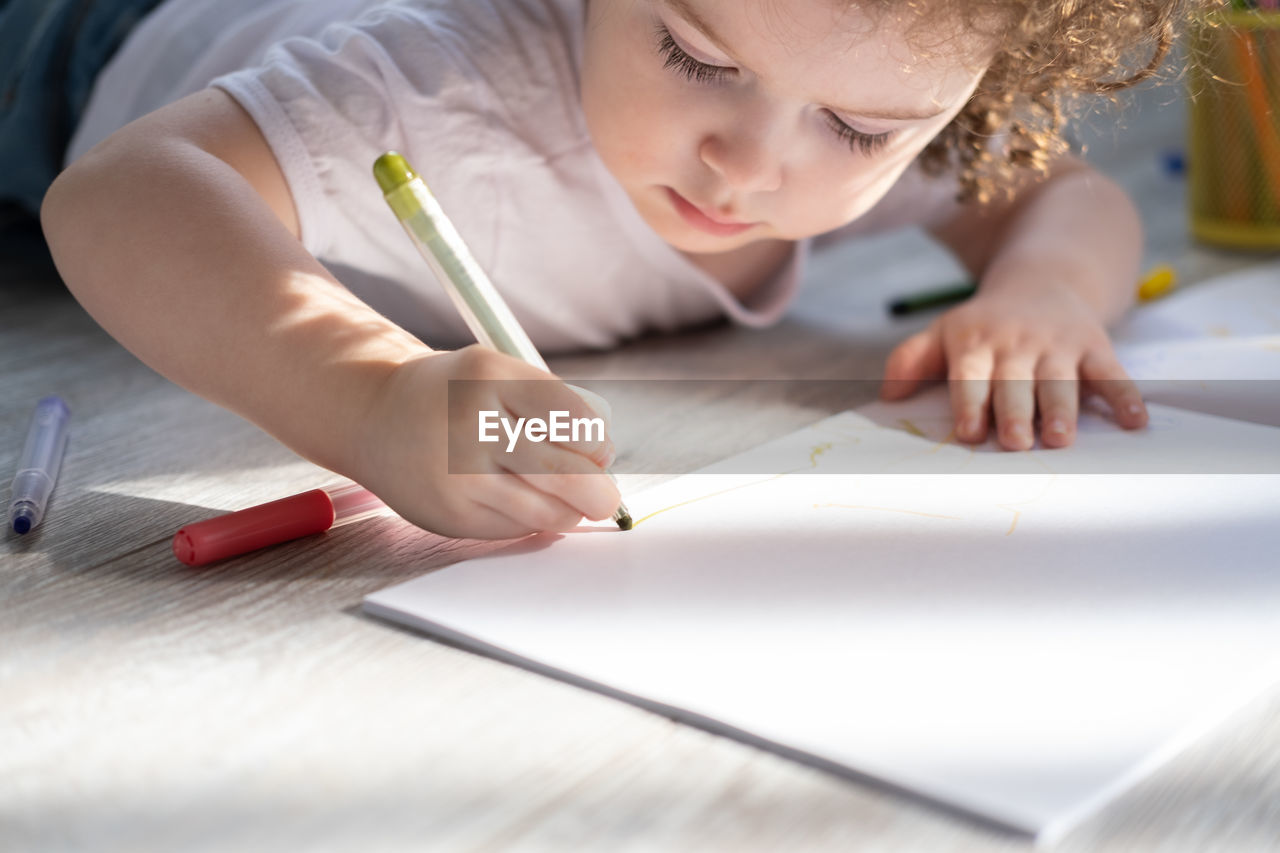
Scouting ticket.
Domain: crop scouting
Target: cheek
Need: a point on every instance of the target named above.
(849, 184)
(622, 131)
(633, 125)
(833, 192)
(637, 113)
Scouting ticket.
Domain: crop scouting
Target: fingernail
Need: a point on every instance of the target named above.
(1017, 431)
(1133, 408)
(968, 428)
(1056, 427)
(610, 456)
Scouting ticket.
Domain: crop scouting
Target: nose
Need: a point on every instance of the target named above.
(743, 159)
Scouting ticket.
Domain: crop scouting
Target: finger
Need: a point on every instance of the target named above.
(598, 405)
(970, 387)
(1107, 378)
(549, 407)
(1058, 399)
(919, 358)
(1013, 402)
(468, 518)
(567, 476)
(525, 508)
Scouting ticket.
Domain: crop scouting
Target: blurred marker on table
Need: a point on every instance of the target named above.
(39, 463)
(1157, 282)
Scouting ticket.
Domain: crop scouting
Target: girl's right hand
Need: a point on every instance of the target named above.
(420, 428)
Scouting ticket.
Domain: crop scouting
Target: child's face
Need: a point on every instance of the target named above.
(729, 121)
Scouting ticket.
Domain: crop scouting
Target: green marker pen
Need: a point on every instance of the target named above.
(904, 305)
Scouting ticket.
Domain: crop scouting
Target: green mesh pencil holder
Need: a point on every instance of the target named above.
(1234, 129)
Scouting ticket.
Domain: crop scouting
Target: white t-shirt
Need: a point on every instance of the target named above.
(482, 98)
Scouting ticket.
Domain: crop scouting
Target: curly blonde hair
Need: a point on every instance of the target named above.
(1051, 54)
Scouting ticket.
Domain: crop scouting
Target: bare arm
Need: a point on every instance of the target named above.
(1078, 222)
(179, 235)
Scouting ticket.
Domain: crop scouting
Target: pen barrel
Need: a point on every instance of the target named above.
(46, 441)
(354, 503)
(39, 464)
(32, 485)
(254, 528)
(483, 309)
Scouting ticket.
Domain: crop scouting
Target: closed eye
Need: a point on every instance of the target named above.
(866, 143)
(675, 58)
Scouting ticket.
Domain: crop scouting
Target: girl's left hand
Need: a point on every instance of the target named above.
(1016, 354)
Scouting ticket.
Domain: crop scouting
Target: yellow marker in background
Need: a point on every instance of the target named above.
(1156, 283)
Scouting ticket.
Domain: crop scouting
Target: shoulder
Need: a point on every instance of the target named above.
(474, 32)
(505, 59)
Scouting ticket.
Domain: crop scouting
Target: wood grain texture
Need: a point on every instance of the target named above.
(251, 706)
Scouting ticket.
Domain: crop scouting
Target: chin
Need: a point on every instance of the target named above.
(701, 244)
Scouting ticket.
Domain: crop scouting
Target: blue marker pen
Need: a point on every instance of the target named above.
(38, 466)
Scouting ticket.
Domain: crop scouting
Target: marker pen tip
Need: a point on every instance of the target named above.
(24, 518)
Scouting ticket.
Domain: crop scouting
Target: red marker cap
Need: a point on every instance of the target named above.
(254, 528)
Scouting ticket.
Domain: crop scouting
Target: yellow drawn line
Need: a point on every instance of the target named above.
(912, 428)
(887, 509)
(640, 521)
(814, 454)
(818, 451)
(1035, 456)
(949, 438)
(1017, 514)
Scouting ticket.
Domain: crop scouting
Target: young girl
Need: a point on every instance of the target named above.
(616, 166)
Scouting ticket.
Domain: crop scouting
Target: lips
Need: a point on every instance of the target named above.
(700, 219)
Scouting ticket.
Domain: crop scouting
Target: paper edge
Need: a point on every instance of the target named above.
(1028, 829)
(1196, 729)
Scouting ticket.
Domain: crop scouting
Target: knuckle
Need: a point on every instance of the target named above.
(965, 370)
(968, 340)
(480, 363)
(553, 464)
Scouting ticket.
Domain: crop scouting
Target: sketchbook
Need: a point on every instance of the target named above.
(1015, 636)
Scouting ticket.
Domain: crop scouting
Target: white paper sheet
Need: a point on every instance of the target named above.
(1237, 377)
(996, 632)
(1239, 305)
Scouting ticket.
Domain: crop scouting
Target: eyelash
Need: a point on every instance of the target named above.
(866, 143)
(675, 58)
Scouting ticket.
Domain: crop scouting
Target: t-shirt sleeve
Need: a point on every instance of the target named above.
(328, 106)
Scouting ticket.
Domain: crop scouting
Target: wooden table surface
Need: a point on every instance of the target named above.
(252, 706)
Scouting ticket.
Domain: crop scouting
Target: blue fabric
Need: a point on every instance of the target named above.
(51, 51)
